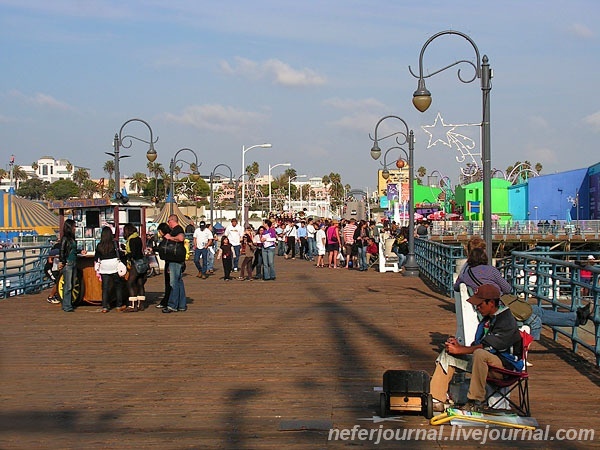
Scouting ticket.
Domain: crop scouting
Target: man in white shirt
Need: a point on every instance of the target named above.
(311, 232)
(203, 239)
(234, 233)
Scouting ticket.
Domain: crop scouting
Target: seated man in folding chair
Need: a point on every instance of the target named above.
(497, 342)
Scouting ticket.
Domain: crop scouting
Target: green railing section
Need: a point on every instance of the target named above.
(22, 270)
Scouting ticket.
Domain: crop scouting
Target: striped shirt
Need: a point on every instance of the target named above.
(348, 233)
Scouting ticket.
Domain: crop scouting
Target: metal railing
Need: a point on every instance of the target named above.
(550, 279)
(437, 263)
(22, 270)
(454, 229)
(553, 280)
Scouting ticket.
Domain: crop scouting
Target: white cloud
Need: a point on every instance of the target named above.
(216, 117)
(274, 69)
(43, 100)
(353, 105)
(593, 120)
(362, 122)
(546, 156)
(581, 30)
(538, 122)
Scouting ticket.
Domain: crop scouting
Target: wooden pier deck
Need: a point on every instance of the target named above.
(250, 365)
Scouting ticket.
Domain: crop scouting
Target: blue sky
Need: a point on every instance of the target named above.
(310, 77)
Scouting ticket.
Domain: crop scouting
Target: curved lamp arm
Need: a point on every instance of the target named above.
(151, 153)
(375, 150)
(422, 97)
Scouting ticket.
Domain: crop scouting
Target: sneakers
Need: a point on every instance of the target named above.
(583, 314)
(53, 299)
(473, 406)
(438, 406)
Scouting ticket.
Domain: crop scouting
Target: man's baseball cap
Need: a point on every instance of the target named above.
(484, 292)
(202, 223)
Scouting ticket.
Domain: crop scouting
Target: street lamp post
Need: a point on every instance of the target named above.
(118, 142)
(244, 150)
(422, 100)
(271, 182)
(195, 176)
(411, 268)
(290, 188)
(212, 174)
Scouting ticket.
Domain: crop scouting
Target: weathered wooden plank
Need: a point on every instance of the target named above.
(245, 358)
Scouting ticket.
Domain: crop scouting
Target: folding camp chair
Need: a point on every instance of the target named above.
(509, 381)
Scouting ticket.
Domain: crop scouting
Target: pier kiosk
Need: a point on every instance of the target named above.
(90, 216)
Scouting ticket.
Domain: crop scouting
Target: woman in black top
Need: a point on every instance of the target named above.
(161, 230)
(107, 256)
(134, 249)
(227, 257)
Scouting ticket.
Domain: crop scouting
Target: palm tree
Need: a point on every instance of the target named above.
(88, 188)
(3, 174)
(156, 169)
(19, 174)
(109, 168)
(35, 165)
(253, 170)
(138, 181)
(80, 175)
(69, 167)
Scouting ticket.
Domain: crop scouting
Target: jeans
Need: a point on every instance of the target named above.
(69, 274)
(268, 255)
(312, 247)
(177, 300)
(550, 317)
(258, 262)
(362, 258)
(303, 248)
(201, 253)
(401, 259)
(291, 246)
(210, 260)
(236, 255)
(280, 248)
(111, 280)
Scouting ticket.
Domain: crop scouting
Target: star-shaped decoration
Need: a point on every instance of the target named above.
(439, 131)
(187, 187)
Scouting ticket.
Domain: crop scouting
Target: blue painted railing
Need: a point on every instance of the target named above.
(553, 280)
(437, 263)
(550, 279)
(22, 270)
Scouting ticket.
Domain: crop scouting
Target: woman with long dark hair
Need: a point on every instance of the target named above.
(134, 249)
(161, 230)
(107, 256)
(227, 257)
(68, 263)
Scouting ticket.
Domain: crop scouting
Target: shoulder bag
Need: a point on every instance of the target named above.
(520, 309)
